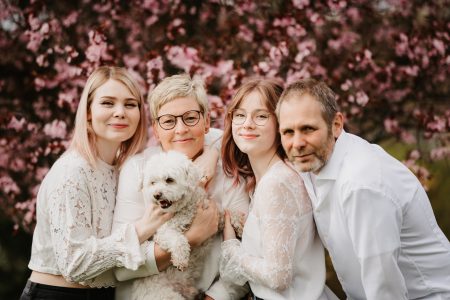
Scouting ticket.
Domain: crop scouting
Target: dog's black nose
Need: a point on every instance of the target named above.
(157, 195)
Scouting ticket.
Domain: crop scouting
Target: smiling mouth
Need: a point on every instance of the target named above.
(119, 125)
(164, 203)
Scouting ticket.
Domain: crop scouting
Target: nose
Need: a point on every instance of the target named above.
(119, 111)
(179, 125)
(299, 140)
(248, 123)
(157, 195)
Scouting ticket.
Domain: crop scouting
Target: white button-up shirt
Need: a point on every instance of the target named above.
(377, 223)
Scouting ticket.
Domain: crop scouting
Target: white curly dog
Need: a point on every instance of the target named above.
(171, 181)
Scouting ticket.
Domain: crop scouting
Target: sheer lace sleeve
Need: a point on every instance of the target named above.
(280, 201)
(80, 227)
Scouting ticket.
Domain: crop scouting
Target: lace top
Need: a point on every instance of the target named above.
(75, 207)
(280, 254)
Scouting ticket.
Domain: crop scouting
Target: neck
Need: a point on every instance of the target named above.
(107, 151)
(197, 155)
(261, 163)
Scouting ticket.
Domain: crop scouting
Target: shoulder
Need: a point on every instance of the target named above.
(369, 167)
(282, 185)
(137, 161)
(70, 168)
(71, 164)
(280, 173)
(281, 179)
(213, 136)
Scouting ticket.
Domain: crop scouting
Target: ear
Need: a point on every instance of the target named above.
(207, 123)
(155, 131)
(338, 124)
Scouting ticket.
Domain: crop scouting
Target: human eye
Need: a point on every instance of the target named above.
(106, 103)
(308, 129)
(167, 120)
(287, 132)
(262, 115)
(239, 114)
(191, 117)
(131, 104)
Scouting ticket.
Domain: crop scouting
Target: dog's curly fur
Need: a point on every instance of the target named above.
(171, 181)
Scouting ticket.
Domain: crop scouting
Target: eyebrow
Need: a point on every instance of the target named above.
(115, 98)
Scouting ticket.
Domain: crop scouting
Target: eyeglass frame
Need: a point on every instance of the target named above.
(199, 112)
(252, 115)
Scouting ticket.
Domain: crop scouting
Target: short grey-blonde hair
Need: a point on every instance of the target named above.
(176, 86)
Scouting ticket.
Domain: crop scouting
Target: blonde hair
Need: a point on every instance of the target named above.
(84, 139)
(181, 85)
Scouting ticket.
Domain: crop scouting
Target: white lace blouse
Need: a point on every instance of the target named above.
(280, 255)
(72, 238)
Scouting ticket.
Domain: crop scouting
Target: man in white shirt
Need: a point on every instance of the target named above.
(371, 212)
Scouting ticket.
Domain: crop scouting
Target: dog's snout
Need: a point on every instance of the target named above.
(157, 195)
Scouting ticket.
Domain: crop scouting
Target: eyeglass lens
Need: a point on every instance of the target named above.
(189, 118)
(259, 117)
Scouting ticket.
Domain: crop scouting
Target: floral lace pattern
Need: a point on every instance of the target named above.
(73, 238)
(280, 215)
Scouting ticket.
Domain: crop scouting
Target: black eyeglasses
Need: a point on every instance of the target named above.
(259, 117)
(189, 118)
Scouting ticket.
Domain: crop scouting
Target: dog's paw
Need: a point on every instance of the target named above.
(181, 263)
(181, 254)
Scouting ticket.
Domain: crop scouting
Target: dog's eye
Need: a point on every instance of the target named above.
(170, 180)
(152, 182)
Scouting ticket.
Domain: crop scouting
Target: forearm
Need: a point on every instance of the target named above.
(382, 278)
(162, 258)
(147, 269)
(85, 260)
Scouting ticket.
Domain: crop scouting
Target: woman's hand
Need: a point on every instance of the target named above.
(228, 231)
(204, 225)
(207, 163)
(154, 216)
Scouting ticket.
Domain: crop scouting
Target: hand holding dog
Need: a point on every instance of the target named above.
(205, 224)
(154, 216)
(228, 230)
(207, 163)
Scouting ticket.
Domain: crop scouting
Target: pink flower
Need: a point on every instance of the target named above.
(245, 33)
(182, 57)
(346, 85)
(70, 19)
(440, 153)
(300, 4)
(408, 137)
(34, 40)
(16, 124)
(440, 46)
(8, 185)
(56, 129)
(362, 98)
(98, 47)
(437, 125)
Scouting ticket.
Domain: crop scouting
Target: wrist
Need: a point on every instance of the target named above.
(142, 231)
(192, 239)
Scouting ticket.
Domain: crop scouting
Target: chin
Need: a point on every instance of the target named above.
(188, 151)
